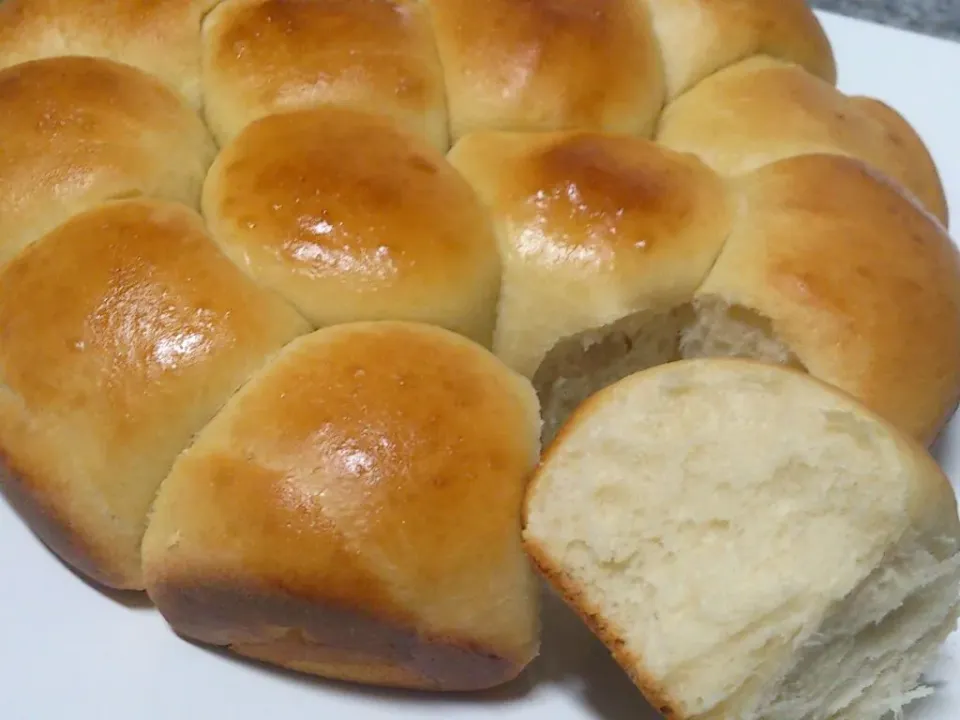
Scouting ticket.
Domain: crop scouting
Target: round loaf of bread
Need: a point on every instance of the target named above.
(351, 218)
(263, 56)
(699, 37)
(160, 37)
(548, 65)
(289, 288)
(353, 512)
(77, 131)
(761, 110)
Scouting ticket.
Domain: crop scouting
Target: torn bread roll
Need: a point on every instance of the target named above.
(592, 227)
(749, 543)
(353, 512)
(828, 267)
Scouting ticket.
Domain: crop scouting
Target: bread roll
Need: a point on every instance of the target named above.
(160, 37)
(762, 110)
(121, 333)
(260, 56)
(828, 268)
(351, 219)
(77, 131)
(592, 227)
(699, 37)
(353, 513)
(562, 64)
(858, 283)
(749, 543)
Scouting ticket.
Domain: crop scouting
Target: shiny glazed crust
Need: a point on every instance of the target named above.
(351, 219)
(157, 36)
(549, 66)
(135, 333)
(594, 227)
(376, 57)
(360, 515)
(106, 130)
(189, 186)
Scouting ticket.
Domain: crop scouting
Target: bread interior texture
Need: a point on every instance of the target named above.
(746, 557)
(580, 365)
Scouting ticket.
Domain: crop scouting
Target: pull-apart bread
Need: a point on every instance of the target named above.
(750, 543)
(292, 292)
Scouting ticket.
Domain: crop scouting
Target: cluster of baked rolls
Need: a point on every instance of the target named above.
(292, 292)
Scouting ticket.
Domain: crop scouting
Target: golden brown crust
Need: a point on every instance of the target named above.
(593, 226)
(291, 531)
(50, 525)
(921, 175)
(106, 130)
(348, 476)
(161, 37)
(353, 219)
(859, 282)
(378, 56)
(272, 625)
(548, 65)
(699, 37)
(135, 332)
(763, 110)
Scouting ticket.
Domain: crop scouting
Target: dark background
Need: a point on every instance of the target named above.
(934, 17)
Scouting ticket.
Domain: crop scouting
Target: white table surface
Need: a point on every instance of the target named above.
(68, 652)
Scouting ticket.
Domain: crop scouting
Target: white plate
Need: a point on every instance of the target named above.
(68, 651)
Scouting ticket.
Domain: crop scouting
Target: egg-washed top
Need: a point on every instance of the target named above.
(186, 186)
